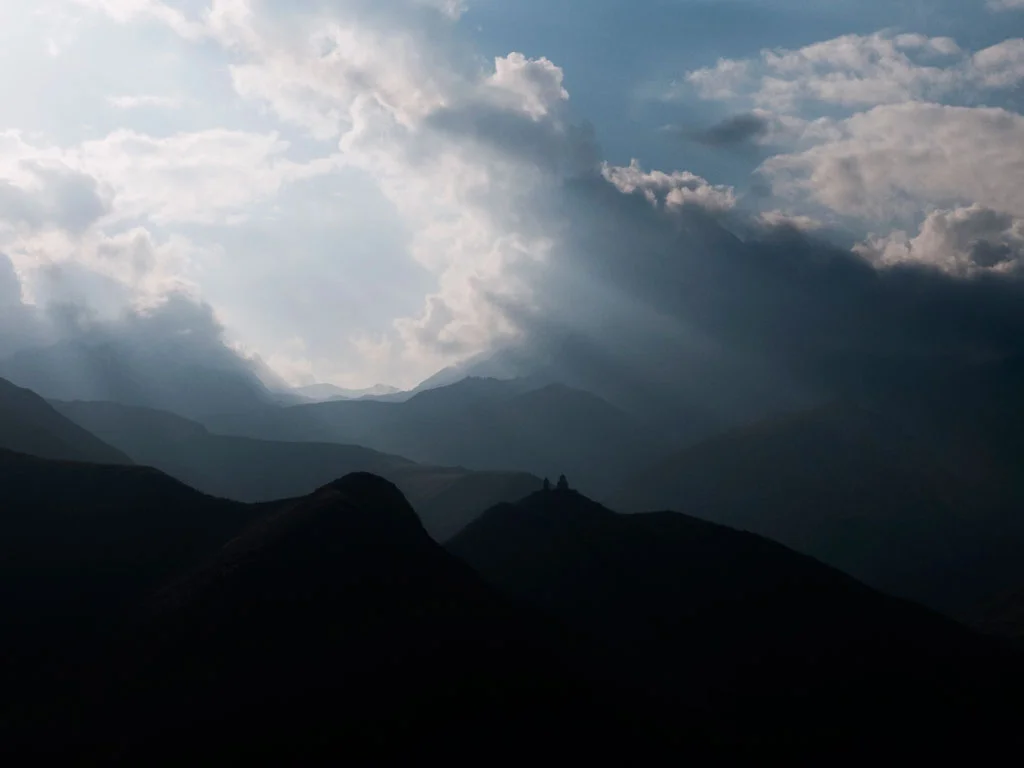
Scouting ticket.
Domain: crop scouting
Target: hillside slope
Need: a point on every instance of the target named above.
(846, 485)
(28, 424)
(785, 648)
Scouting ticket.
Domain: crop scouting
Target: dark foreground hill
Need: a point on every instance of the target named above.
(250, 470)
(336, 628)
(159, 625)
(780, 647)
(81, 546)
(28, 424)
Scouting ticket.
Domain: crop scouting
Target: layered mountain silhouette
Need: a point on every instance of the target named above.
(482, 424)
(156, 623)
(781, 647)
(28, 424)
(250, 470)
(1003, 616)
(332, 627)
(81, 545)
(855, 488)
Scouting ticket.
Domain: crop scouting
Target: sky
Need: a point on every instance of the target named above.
(357, 191)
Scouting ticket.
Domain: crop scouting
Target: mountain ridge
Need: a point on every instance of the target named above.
(28, 424)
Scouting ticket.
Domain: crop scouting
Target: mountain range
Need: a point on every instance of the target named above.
(481, 424)
(158, 623)
(782, 643)
(250, 470)
(175, 590)
(28, 424)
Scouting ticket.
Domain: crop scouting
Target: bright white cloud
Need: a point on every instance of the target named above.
(776, 219)
(144, 101)
(207, 176)
(670, 190)
(905, 158)
(861, 70)
(137, 268)
(963, 241)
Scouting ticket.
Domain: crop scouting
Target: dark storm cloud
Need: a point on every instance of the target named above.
(65, 199)
(732, 132)
(671, 313)
(171, 356)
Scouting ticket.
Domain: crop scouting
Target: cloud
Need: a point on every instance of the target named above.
(126, 11)
(532, 86)
(131, 266)
(1005, 5)
(999, 66)
(50, 194)
(897, 160)
(144, 101)
(964, 241)
(733, 131)
(667, 312)
(204, 176)
(779, 219)
(20, 326)
(169, 354)
(670, 190)
(861, 70)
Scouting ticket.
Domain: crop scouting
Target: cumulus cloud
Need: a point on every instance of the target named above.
(203, 176)
(860, 70)
(671, 190)
(901, 159)
(964, 241)
(50, 194)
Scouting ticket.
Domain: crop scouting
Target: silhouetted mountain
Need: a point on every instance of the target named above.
(856, 490)
(28, 424)
(135, 375)
(482, 424)
(782, 648)
(1003, 616)
(81, 544)
(252, 470)
(336, 626)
